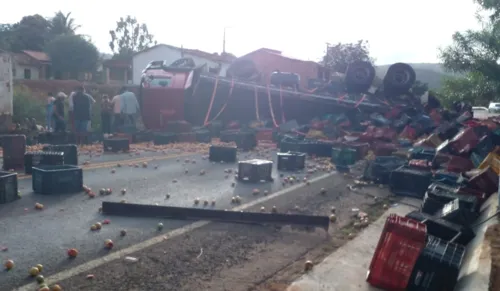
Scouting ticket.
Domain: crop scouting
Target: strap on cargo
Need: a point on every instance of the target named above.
(227, 101)
(283, 119)
(256, 93)
(211, 101)
(271, 106)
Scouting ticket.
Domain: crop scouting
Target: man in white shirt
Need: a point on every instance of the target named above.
(117, 112)
(129, 106)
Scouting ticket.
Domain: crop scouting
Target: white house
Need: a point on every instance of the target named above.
(214, 62)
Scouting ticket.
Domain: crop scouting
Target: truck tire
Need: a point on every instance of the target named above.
(359, 76)
(399, 79)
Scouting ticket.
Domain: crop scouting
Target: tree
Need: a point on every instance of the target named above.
(62, 24)
(474, 88)
(6, 37)
(31, 33)
(339, 56)
(130, 37)
(72, 54)
(419, 88)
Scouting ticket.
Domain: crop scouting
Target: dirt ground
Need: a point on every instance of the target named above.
(240, 257)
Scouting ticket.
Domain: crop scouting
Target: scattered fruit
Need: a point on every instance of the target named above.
(386, 206)
(123, 232)
(40, 279)
(93, 227)
(167, 196)
(108, 244)
(113, 171)
(72, 253)
(213, 202)
(160, 226)
(205, 203)
(255, 191)
(56, 287)
(202, 172)
(9, 265)
(308, 266)
(323, 191)
(34, 271)
(274, 209)
(333, 218)
(266, 192)
(39, 206)
(262, 209)
(333, 209)
(39, 267)
(196, 201)
(124, 191)
(144, 165)
(44, 288)
(90, 276)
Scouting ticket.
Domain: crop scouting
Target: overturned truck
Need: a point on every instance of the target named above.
(180, 91)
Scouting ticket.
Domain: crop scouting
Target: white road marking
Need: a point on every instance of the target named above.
(155, 240)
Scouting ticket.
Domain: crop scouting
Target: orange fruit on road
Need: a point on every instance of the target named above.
(9, 264)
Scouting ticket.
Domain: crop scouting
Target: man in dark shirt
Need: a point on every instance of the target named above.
(81, 110)
(60, 125)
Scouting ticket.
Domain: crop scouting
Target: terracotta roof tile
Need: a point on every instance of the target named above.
(39, 56)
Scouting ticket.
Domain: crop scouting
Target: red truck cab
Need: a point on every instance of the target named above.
(162, 92)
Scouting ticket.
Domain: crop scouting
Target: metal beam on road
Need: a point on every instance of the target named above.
(188, 213)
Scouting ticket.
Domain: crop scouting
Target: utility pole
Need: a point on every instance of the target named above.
(224, 41)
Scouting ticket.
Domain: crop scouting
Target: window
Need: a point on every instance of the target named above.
(27, 74)
(157, 82)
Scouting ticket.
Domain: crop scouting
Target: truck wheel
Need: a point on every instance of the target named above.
(399, 78)
(359, 76)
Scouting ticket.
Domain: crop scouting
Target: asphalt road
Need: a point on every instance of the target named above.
(43, 237)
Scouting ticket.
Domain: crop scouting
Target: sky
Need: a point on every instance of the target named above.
(397, 30)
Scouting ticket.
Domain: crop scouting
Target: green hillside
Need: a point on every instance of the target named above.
(429, 73)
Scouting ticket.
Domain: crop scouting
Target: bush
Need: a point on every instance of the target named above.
(26, 106)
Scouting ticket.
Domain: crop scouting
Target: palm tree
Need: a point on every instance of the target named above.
(63, 24)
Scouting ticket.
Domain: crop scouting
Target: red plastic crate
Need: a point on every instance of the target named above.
(265, 135)
(397, 251)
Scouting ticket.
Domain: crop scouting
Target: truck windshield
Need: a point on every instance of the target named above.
(156, 82)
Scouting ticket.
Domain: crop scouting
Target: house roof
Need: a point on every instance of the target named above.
(225, 57)
(39, 56)
(117, 63)
(276, 53)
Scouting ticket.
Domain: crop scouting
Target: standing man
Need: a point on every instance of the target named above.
(130, 106)
(117, 112)
(106, 113)
(82, 103)
(60, 125)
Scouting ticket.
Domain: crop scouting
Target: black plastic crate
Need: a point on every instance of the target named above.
(227, 154)
(14, 147)
(437, 267)
(406, 181)
(142, 136)
(443, 229)
(245, 140)
(203, 136)
(70, 152)
(57, 138)
(33, 159)
(319, 149)
(116, 144)
(291, 161)
(421, 154)
(163, 138)
(444, 194)
(255, 170)
(57, 179)
(8, 187)
(452, 212)
(379, 170)
(292, 146)
(431, 206)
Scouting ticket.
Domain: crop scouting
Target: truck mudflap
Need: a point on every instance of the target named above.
(188, 213)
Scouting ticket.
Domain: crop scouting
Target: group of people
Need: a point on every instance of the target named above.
(115, 112)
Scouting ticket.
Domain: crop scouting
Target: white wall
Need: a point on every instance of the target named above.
(168, 54)
(6, 84)
(19, 70)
